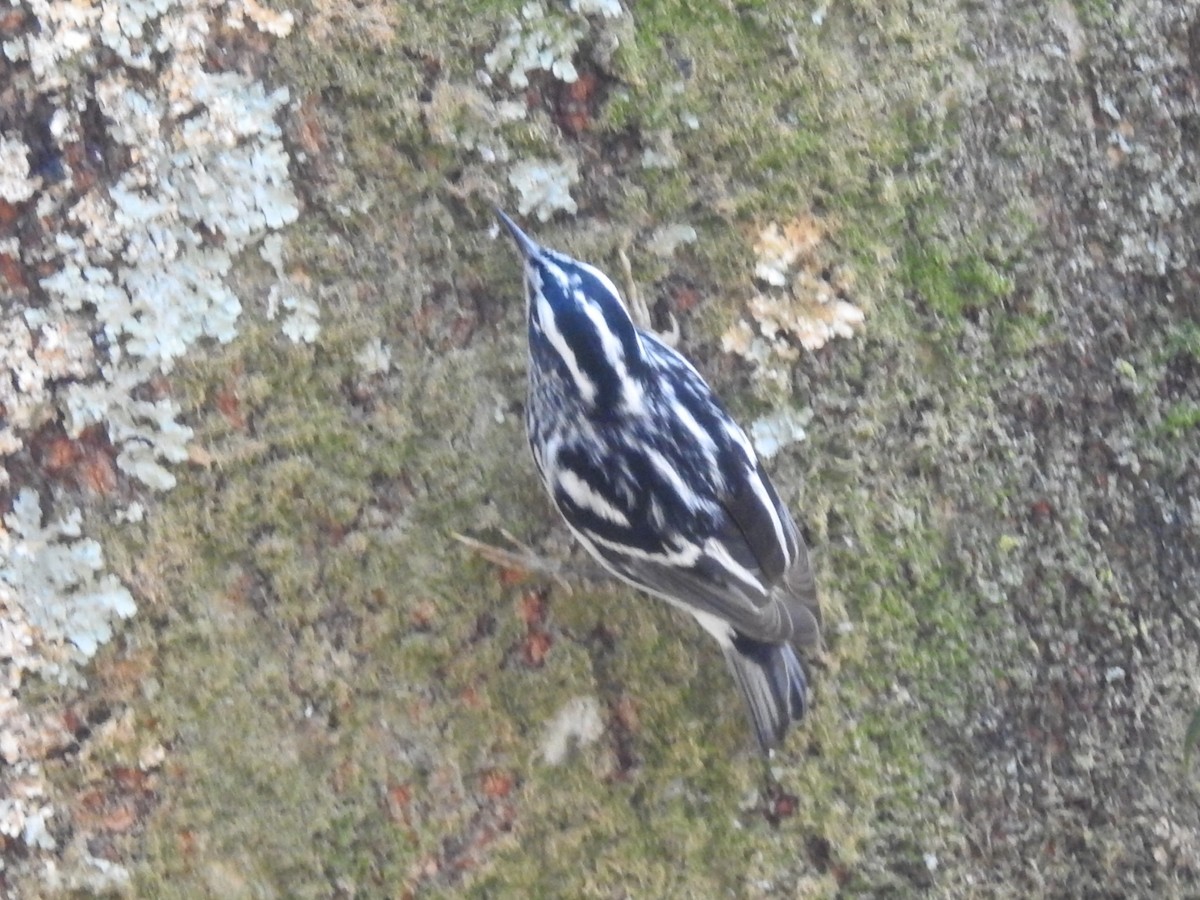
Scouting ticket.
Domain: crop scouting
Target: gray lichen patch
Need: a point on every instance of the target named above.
(132, 173)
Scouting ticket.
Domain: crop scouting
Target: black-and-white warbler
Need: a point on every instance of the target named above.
(661, 485)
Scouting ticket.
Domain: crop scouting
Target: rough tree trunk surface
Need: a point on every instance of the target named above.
(324, 694)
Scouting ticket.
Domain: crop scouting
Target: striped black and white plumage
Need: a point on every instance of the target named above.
(661, 485)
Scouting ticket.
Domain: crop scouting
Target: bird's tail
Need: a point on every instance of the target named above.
(773, 683)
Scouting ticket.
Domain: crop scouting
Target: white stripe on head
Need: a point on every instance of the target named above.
(614, 355)
(549, 324)
(614, 350)
(605, 281)
(632, 395)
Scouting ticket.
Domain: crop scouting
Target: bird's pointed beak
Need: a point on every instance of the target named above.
(527, 245)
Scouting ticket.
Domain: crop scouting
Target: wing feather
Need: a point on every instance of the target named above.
(768, 594)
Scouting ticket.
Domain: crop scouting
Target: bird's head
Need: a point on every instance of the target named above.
(578, 323)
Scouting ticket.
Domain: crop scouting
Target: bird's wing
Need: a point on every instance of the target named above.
(757, 524)
(752, 569)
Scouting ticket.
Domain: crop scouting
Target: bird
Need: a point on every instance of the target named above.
(661, 486)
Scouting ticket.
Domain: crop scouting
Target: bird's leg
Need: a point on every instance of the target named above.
(637, 306)
(522, 558)
(638, 309)
(778, 804)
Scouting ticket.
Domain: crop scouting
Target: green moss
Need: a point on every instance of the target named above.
(1181, 419)
(333, 669)
(1191, 738)
(1095, 13)
(946, 281)
(1184, 337)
